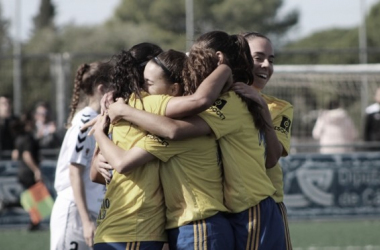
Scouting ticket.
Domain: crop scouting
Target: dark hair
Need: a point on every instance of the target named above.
(199, 64)
(254, 34)
(333, 104)
(22, 125)
(43, 104)
(87, 78)
(238, 56)
(6, 96)
(236, 50)
(172, 63)
(128, 75)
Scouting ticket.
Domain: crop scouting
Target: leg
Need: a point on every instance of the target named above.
(73, 238)
(58, 221)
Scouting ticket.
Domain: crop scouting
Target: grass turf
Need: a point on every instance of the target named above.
(351, 234)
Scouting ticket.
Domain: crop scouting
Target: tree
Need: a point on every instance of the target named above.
(259, 16)
(373, 36)
(334, 46)
(5, 41)
(45, 17)
(36, 75)
(170, 17)
(6, 55)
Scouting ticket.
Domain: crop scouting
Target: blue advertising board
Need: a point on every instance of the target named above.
(315, 186)
(319, 186)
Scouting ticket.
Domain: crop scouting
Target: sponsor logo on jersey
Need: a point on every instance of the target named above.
(284, 125)
(217, 108)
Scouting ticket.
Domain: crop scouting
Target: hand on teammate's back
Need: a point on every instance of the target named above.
(116, 109)
(103, 167)
(106, 101)
(247, 91)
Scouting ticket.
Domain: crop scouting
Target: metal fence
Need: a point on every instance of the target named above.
(47, 77)
(310, 88)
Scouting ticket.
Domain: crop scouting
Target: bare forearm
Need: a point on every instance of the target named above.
(169, 128)
(28, 159)
(155, 124)
(94, 175)
(205, 95)
(121, 160)
(77, 185)
(274, 147)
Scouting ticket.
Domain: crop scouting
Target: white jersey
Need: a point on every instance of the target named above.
(78, 148)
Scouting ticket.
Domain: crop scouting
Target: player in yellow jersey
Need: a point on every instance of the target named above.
(240, 128)
(281, 113)
(190, 172)
(132, 214)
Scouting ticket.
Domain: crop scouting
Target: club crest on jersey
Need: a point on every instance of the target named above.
(218, 106)
(284, 125)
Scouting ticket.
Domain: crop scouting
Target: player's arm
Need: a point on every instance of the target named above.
(205, 95)
(182, 106)
(95, 175)
(77, 184)
(161, 125)
(121, 160)
(274, 148)
(32, 165)
(177, 107)
(284, 135)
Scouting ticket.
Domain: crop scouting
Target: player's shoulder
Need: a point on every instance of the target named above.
(271, 100)
(83, 116)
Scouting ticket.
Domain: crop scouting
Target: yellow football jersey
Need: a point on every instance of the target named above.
(133, 208)
(191, 177)
(282, 116)
(243, 153)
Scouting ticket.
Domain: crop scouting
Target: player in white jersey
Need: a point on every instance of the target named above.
(73, 219)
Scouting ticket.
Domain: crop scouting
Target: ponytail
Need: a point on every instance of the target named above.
(76, 91)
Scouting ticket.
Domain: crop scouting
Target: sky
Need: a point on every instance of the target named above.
(315, 15)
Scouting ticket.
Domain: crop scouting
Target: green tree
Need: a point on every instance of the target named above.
(253, 16)
(334, 46)
(6, 56)
(5, 41)
(37, 83)
(45, 16)
(373, 36)
(169, 17)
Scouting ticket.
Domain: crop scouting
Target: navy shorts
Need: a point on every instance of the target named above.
(141, 245)
(259, 228)
(213, 233)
